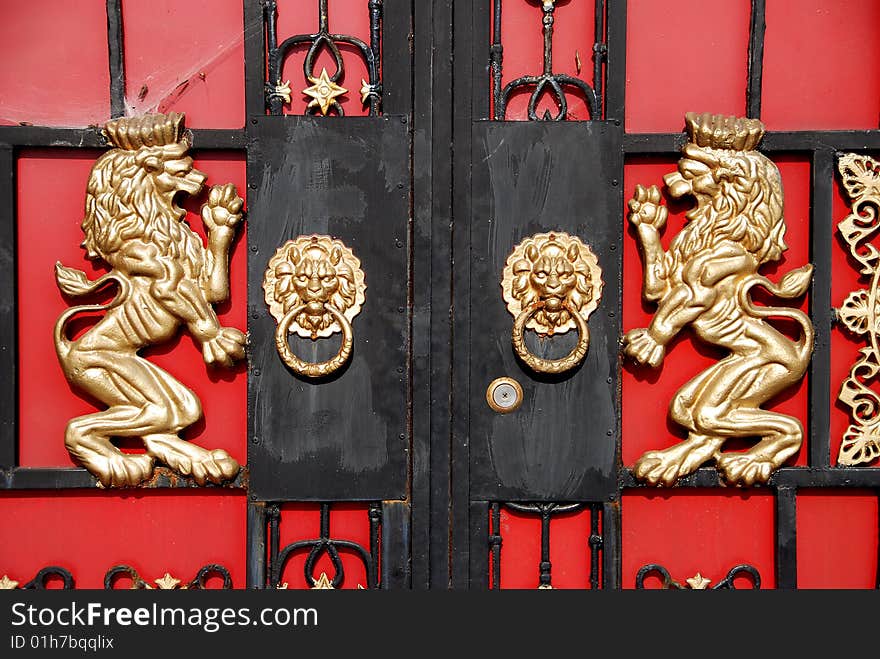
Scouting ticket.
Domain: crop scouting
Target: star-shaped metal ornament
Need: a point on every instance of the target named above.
(8, 584)
(323, 92)
(322, 583)
(282, 90)
(167, 582)
(698, 582)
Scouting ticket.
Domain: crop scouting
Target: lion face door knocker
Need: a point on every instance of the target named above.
(704, 280)
(552, 282)
(314, 287)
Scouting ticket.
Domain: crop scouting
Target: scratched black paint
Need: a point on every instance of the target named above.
(344, 436)
(561, 443)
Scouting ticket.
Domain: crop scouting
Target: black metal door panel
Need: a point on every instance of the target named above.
(343, 436)
(531, 178)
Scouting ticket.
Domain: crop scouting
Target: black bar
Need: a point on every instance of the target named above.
(600, 53)
(495, 543)
(256, 545)
(116, 52)
(786, 538)
(273, 514)
(396, 572)
(396, 67)
(31, 478)
(478, 572)
(544, 574)
(756, 59)
(611, 540)
(781, 141)
(465, 72)
(254, 59)
(821, 245)
(615, 67)
(496, 60)
(595, 544)
(8, 312)
(839, 477)
(45, 136)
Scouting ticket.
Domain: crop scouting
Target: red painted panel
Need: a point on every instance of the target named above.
(821, 65)
(844, 345)
(697, 531)
(154, 532)
(349, 17)
(837, 539)
(303, 522)
(523, 42)
(50, 207)
(54, 69)
(681, 57)
(521, 549)
(186, 57)
(644, 388)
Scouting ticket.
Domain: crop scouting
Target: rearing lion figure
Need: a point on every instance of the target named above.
(166, 278)
(704, 281)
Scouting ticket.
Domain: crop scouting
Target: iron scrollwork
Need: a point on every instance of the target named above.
(548, 81)
(165, 278)
(860, 176)
(40, 580)
(698, 581)
(167, 582)
(324, 544)
(324, 88)
(705, 281)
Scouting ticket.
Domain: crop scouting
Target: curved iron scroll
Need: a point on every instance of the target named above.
(167, 582)
(39, 581)
(325, 544)
(546, 510)
(697, 582)
(547, 82)
(371, 90)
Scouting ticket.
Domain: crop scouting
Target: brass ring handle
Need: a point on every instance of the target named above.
(314, 369)
(539, 364)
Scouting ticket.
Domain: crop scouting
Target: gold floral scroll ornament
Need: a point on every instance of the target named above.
(704, 281)
(552, 282)
(861, 310)
(314, 287)
(165, 278)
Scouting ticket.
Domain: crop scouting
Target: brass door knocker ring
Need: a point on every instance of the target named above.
(314, 369)
(552, 282)
(314, 286)
(539, 364)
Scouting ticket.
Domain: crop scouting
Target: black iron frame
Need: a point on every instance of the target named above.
(439, 537)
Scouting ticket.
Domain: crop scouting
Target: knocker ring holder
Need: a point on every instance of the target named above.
(314, 287)
(552, 282)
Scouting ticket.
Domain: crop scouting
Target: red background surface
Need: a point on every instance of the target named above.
(822, 71)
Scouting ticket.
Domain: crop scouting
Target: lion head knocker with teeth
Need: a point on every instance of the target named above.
(704, 281)
(551, 284)
(314, 287)
(165, 278)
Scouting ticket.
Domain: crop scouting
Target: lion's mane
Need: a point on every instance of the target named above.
(746, 208)
(123, 203)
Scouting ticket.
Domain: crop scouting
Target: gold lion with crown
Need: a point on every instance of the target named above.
(165, 278)
(705, 281)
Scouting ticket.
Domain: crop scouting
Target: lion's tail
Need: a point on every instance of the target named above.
(792, 285)
(74, 282)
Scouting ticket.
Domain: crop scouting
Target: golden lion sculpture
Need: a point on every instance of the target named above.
(704, 281)
(165, 278)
